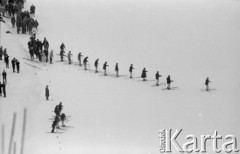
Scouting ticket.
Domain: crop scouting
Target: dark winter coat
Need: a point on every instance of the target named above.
(207, 82)
(18, 65)
(85, 60)
(105, 66)
(157, 76)
(144, 73)
(116, 68)
(169, 80)
(46, 92)
(131, 69)
(96, 63)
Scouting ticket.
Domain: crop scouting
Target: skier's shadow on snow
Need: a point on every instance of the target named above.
(172, 88)
(55, 132)
(209, 90)
(151, 80)
(160, 84)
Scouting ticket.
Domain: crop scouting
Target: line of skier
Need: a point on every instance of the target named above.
(35, 46)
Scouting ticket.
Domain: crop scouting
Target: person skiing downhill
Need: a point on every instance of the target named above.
(105, 68)
(55, 123)
(96, 65)
(144, 74)
(131, 70)
(85, 61)
(157, 78)
(169, 82)
(79, 58)
(207, 83)
(117, 70)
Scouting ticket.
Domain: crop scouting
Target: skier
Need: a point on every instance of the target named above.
(18, 66)
(47, 92)
(96, 65)
(63, 118)
(157, 78)
(69, 57)
(62, 54)
(56, 110)
(4, 75)
(60, 107)
(144, 74)
(55, 124)
(131, 70)
(169, 82)
(51, 56)
(79, 58)
(85, 60)
(207, 83)
(13, 64)
(6, 60)
(117, 70)
(45, 44)
(62, 46)
(105, 68)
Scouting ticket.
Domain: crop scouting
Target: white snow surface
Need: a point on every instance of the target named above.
(187, 39)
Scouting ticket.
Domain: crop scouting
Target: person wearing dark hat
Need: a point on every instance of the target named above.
(47, 92)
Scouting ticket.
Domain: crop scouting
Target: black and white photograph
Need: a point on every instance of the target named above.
(119, 76)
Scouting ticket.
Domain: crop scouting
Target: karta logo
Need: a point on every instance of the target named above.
(169, 140)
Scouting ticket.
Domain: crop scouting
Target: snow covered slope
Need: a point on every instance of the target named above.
(186, 39)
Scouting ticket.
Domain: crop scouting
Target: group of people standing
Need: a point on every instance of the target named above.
(39, 49)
